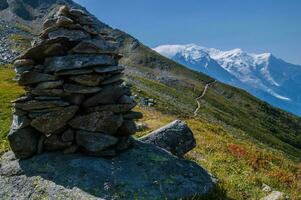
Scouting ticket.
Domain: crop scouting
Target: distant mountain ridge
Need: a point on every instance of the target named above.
(263, 75)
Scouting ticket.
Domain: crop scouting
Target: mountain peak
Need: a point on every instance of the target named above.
(171, 50)
(261, 74)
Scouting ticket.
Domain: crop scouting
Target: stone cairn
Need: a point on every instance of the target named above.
(75, 98)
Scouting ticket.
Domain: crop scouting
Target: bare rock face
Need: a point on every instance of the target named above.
(70, 69)
(143, 171)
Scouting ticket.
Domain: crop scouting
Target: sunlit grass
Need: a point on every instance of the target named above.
(9, 90)
(241, 165)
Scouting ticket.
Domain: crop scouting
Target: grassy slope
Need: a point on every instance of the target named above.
(241, 165)
(175, 88)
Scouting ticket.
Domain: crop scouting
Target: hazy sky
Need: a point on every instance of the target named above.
(255, 26)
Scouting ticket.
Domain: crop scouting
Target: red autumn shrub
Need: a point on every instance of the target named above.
(237, 150)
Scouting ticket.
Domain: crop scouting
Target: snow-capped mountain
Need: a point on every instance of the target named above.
(263, 75)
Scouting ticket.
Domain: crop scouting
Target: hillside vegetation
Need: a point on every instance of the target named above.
(241, 163)
(175, 87)
(229, 107)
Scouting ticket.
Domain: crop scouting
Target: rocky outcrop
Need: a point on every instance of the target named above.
(175, 137)
(142, 172)
(75, 97)
(8, 50)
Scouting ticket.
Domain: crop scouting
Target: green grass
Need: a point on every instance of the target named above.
(241, 165)
(8, 91)
(175, 88)
(232, 108)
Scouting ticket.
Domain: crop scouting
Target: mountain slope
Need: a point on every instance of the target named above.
(271, 79)
(175, 87)
(243, 141)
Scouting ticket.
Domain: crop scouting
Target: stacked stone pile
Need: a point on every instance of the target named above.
(75, 98)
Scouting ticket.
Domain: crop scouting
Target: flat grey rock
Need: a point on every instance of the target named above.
(63, 21)
(71, 35)
(49, 85)
(116, 108)
(50, 122)
(89, 79)
(49, 92)
(109, 95)
(46, 48)
(28, 78)
(77, 61)
(108, 69)
(143, 172)
(93, 46)
(105, 122)
(37, 105)
(80, 89)
(74, 72)
(94, 142)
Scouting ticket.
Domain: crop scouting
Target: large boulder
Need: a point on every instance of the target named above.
(175, 137)
(142, 172)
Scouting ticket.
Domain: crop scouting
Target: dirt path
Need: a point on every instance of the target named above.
(201, 96)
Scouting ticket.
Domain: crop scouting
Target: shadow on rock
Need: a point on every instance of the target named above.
(144, 172)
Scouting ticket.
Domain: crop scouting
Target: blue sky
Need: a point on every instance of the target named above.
(255, 26)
